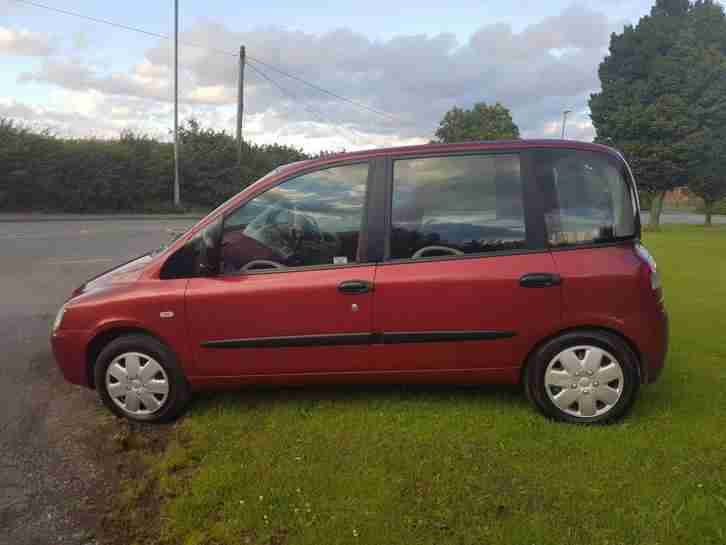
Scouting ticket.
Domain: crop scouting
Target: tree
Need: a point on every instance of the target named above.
(706, 151)
(695, 70)
(482, 122)
(634, 112)
(711, 190)
(663, 99)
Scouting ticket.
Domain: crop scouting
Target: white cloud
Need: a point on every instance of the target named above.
(212, 94)
(537, 72)
(24, 43)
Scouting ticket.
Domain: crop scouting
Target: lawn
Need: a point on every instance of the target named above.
(432, 465)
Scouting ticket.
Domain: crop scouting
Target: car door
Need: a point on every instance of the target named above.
(466, 283)
(293, 294)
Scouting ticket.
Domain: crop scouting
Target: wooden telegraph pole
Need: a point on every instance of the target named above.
(240, 103)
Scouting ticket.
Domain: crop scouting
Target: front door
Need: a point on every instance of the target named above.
(293, 294)
(467, 283)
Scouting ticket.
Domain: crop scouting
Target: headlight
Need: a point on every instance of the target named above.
(59, 318)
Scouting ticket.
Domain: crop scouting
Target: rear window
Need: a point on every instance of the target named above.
(456, 205)
(587, 197)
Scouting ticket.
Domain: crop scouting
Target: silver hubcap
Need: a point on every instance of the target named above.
(137, 383)
(584, 381)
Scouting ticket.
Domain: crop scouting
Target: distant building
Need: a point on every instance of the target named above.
(679, 196)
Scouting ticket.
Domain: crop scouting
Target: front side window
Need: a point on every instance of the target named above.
(456, 205)
(198, 257)
(314, 219)
(589, 198)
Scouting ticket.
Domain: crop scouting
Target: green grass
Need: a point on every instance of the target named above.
(469, 465)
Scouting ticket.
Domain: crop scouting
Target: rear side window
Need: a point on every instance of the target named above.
(456, 205)
(587, 198)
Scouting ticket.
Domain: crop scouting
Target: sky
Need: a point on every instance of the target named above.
(408, 61)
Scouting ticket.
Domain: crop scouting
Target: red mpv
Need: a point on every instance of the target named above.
(502, 262)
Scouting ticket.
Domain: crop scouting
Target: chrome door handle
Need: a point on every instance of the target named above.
(352, 287)
(540, 280)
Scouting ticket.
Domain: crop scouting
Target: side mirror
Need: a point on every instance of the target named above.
(198, 257)
(209, 251)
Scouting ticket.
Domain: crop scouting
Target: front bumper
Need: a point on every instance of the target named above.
(69, 350)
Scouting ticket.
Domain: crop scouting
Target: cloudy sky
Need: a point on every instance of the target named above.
(412, 58)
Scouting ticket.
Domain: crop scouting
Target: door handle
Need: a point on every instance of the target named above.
(353, 287)
(540, 280)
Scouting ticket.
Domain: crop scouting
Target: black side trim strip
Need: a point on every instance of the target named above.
(359, 339)
(445, 336)
(286, 342)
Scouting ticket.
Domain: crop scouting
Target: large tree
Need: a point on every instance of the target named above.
(482, 122)
(695, 72)
(634, 113)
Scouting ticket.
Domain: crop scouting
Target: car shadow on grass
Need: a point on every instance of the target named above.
(369, 395)
(655, 401)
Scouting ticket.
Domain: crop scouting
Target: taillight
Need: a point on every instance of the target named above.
(645, 255)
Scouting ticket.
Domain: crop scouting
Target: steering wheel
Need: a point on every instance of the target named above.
(427, 249)
(263, 264)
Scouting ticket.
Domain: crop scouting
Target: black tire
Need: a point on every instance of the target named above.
(534, 378)
(179, 392)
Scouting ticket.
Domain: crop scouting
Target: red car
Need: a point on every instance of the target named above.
(502, 262)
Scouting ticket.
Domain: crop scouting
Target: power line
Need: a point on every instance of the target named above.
(322, 90)
(94, 19)
(284, 91)
(315, 113)
(121, 26)
(211, 49)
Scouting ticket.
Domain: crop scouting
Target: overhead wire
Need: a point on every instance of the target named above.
(323, 90)
(315, 113)
(211, 49)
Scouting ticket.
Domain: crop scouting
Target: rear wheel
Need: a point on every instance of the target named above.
(584, 376)
(138, 377)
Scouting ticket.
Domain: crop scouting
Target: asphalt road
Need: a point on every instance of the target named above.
(690, 218)
(40, 263)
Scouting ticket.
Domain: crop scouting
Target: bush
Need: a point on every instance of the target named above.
(134, 173)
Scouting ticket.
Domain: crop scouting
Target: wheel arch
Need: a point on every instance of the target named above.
(642, 371)
(103, 338)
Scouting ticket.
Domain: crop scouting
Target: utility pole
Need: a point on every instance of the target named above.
(177, 197)
(240, 103)
(564, 121)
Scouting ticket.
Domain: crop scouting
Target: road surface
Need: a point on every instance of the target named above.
(40, 414)
(690, 218)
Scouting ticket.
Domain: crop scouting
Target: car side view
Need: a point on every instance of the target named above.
(515, 262)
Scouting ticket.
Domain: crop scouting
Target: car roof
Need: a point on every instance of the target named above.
(435, 148)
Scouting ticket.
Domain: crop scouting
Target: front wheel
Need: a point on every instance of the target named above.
(583, 377)
(138, 378)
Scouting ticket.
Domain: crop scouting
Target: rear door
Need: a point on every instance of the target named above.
(466, 282)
